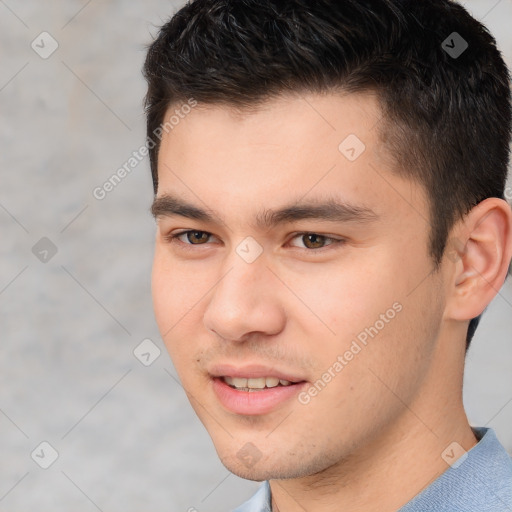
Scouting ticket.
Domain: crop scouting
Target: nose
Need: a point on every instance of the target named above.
(245, 301)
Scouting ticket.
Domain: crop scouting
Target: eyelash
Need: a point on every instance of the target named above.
(173, 238)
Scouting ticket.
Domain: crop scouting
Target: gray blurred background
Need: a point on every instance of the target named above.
(75, 278)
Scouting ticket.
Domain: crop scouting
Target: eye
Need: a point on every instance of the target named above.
(316, 240)
(313, 242)
(191, 236)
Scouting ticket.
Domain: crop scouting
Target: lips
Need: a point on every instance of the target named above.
(253, 371)
(255, 389)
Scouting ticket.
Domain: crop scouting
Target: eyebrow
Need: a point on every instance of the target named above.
(330, 209)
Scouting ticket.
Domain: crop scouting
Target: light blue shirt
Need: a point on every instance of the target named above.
(480, 481)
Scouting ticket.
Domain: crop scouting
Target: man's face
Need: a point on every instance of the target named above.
(347, 309)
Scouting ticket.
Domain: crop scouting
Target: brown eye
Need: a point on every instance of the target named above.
(313, 241)
(193, 236)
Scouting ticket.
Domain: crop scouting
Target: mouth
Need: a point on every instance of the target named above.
(254, 390)
(255, 384)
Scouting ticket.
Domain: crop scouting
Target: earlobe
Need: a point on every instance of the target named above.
(480, 250)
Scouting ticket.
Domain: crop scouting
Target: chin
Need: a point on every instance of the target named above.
(267, 469)
(247, 462)
(248, 474)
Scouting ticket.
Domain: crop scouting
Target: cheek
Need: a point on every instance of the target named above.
(369, 315)
(348, 296)
(391, 351)
(176, 294)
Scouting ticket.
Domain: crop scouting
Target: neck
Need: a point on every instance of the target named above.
(396, 465)
(384, 476)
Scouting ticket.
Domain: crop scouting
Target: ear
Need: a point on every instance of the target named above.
(479, 253)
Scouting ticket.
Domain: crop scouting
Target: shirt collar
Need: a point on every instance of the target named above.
(481, 480)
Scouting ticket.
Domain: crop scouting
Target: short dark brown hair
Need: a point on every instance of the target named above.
(441, 82)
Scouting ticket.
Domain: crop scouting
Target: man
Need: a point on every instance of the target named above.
(329, 192)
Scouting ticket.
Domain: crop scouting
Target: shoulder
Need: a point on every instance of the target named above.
(481, 480)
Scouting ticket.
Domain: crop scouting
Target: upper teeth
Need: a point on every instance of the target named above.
(259, 383)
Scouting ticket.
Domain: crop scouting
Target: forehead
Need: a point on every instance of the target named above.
(291, 147)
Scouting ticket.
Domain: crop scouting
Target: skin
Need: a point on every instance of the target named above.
(374, 436)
